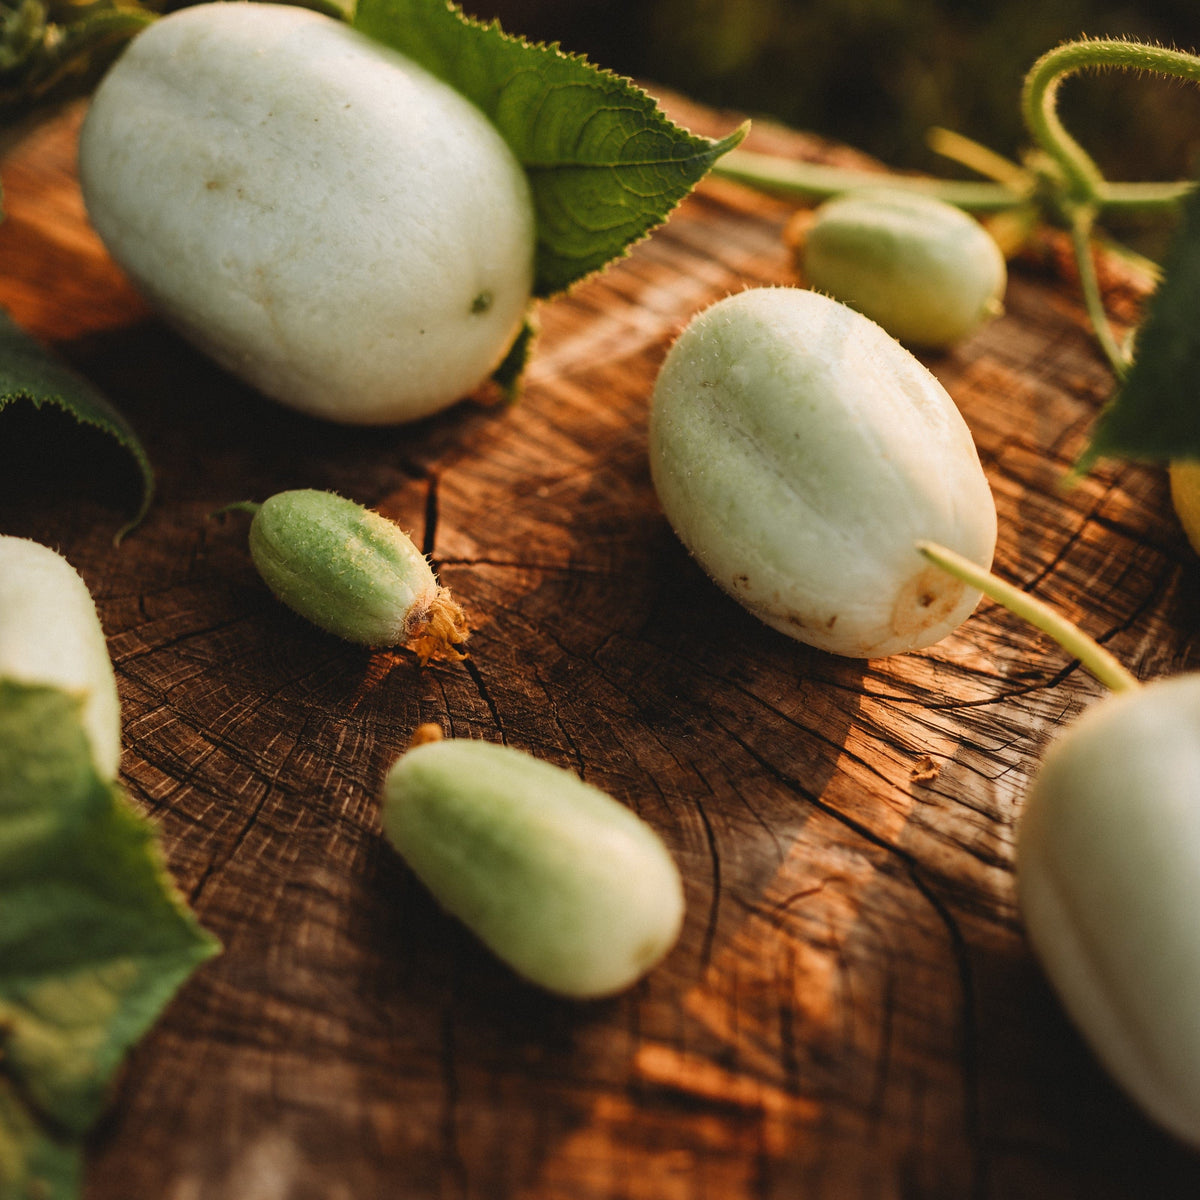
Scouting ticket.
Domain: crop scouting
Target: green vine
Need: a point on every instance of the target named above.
(1083, 180)
(1059, 181)
(1084, 189)
(817, 181)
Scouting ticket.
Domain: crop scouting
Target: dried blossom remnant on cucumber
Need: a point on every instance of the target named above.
(565, 884)
(319, 213)
(800, 452)
(354, 573)
(50, 634)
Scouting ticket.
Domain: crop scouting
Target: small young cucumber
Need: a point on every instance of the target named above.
(50, 634)
(1108, 879)
(566, 885)
(352, 572)
(1184, 475)
(926, 271)
(323, 216)
(800, 452)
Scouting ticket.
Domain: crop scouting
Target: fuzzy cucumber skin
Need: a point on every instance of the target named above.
(568, 886)
(926, 271)
(800, 453)
(345, 568)
(50, 634)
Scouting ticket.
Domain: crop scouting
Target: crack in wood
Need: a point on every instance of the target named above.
(968, 1042)
(485, 695)
(715, 891)
(429, 537)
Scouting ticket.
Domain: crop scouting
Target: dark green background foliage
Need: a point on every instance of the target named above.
(878, 73)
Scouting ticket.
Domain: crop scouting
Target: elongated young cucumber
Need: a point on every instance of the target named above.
(569, 887)
(50, 634)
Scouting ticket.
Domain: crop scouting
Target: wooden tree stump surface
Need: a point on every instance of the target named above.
(852, 1010)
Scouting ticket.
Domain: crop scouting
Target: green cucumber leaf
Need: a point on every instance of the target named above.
(604, 162)
(94, 939)
(507, 376)
(29, 372)
(1154, 416)
(35, 1163)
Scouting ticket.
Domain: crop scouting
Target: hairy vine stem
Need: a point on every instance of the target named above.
(1093, 298)
(1086, 190)
(1039, 106)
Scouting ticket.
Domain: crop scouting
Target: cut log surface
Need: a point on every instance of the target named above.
(852, 1010)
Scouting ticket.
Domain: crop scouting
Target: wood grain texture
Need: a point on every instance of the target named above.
(852, 1011)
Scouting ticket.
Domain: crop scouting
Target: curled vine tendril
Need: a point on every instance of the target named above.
(1084, 188)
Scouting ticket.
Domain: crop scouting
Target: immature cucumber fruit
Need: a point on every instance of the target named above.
(1108, 878)
(923, 269)
(50, 634)
(1185, 496)
(352, 572)
(323, 216)
(566, 885)
(800, 453)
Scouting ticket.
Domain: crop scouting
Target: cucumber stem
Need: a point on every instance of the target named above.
(1070, 637)
(1087, 191)
(245, 506)
(981, 159)
(816, 181)
(1084, 181)
(1039, 105)
(1093, 300)
(1139, 197)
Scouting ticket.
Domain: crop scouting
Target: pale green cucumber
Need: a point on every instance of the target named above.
(352, 572)
(926, 271)
(50, 634)
(568, 886)
(800, 452)
(1108, 879)
(319, 213)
